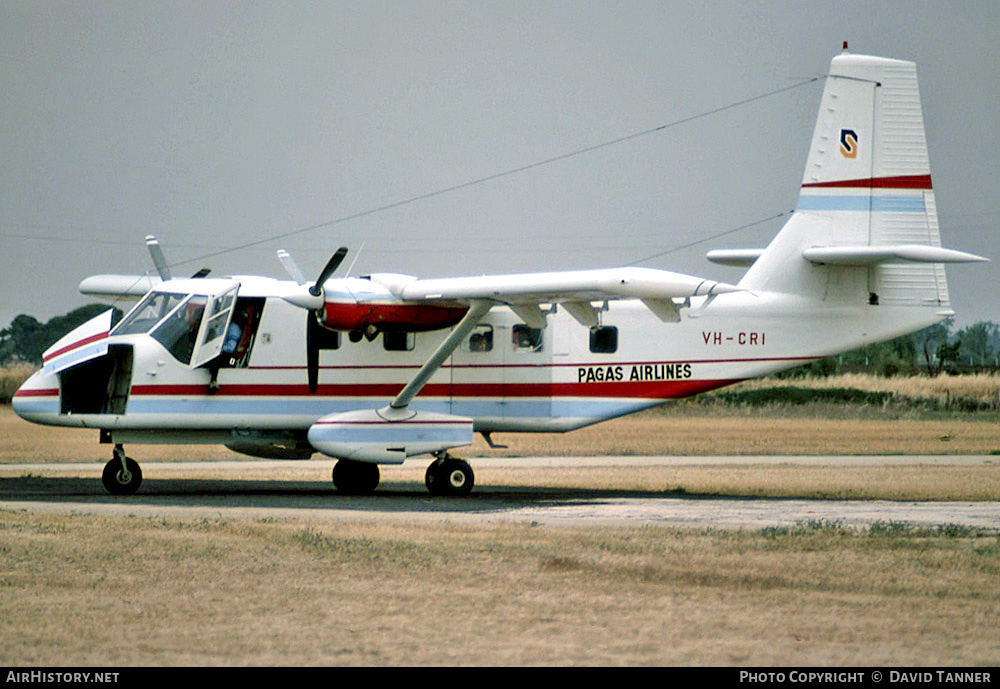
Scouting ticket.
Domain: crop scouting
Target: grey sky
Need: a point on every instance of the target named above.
(216, 124)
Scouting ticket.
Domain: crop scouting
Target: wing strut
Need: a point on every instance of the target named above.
(477, 310)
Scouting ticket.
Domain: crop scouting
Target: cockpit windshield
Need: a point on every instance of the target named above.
(151, 311)
(171, 319)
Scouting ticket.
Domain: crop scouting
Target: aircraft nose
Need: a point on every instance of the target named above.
(37, 397)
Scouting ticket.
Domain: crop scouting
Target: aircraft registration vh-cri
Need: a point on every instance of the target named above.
(376, 369)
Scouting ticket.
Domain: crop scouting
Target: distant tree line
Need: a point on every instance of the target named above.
(26, 338)
(930, 351)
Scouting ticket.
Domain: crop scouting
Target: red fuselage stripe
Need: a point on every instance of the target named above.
(48, 392)
(75, 345)
(661, 389)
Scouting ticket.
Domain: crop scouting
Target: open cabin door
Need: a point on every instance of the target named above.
(219, 311)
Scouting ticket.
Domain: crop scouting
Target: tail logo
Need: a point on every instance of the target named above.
(848, 143)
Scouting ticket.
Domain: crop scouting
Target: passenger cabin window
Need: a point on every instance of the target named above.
(527, 339)
(481, 339)
(398, 341)
(604, 340)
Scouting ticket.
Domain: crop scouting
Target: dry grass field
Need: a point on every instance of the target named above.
(87, 590)
(11, 378)
(81, 589)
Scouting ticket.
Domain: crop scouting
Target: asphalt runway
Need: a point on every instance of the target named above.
(76, 489)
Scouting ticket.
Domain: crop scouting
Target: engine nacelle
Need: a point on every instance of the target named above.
(358, 315)
(373, 303)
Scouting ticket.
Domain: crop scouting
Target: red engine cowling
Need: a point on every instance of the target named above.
(390, 317)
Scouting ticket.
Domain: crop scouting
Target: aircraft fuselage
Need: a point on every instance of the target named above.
(505, 375)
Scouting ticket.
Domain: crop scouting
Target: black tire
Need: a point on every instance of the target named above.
(355, 478)
(119, 482)
(450, 476)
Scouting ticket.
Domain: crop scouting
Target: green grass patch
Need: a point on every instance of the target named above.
(791, 398)
(793, 395)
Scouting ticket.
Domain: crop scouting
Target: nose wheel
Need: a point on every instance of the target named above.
(449, 476)
(122, 475)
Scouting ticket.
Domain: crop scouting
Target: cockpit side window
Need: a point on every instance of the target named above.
(218, 315)
(179, 332)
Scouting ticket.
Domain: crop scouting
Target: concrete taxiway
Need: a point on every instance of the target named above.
(75, 488)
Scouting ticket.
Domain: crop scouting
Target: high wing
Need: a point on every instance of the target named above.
(614, 283)
(115, 287)
(575, 290)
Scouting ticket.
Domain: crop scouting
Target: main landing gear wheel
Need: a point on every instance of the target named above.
(121, 480)
(449, 476)
(355, 478)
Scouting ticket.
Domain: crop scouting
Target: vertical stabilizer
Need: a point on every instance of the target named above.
(867, 183)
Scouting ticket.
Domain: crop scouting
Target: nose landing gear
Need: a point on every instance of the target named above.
(122, 475)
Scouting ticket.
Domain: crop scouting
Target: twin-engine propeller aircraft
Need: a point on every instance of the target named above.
(376, 369)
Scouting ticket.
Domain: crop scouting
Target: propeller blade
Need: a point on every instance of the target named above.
(312, 351)
(314, 315)
(158, 259)
(331, 266)
(291, 266)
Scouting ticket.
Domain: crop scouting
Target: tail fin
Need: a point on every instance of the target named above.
(865, 230)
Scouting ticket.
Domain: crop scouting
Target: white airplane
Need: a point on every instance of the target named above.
(376, 369)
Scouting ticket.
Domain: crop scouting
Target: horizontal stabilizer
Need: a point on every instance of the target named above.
(734, 257)
(869, 255)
